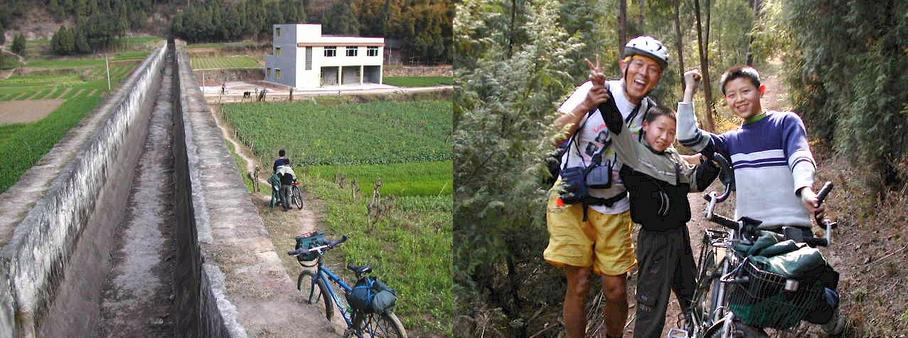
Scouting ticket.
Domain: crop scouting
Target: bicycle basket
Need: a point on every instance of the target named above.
(763, 301)
(310, 240)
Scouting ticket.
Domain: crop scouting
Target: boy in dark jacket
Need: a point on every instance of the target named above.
(658, 180)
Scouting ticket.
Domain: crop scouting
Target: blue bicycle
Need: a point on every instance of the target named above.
(362, 319)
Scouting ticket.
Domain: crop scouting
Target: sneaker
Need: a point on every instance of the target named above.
(835, 325)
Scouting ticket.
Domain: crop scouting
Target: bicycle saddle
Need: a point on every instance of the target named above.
(359, 270)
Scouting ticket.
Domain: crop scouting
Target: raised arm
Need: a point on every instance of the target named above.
(689, 134)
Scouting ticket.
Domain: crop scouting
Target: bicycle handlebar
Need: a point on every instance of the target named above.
(319, 249)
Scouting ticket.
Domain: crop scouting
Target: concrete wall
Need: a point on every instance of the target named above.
(45, 245)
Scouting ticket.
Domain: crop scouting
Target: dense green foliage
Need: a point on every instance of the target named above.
(218, 20)
(21, 146)
(380, 132)
(18, 46)
(98, 24)
(423, 27)
(847, 76)
(418, 81)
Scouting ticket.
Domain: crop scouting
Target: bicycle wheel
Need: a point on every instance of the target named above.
(297, 197)
(704, 303)
(316, 292)
(378, 325)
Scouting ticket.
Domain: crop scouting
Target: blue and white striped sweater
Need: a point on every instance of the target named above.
(771, 158)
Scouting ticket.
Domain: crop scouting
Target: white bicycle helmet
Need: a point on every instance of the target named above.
(647, 46)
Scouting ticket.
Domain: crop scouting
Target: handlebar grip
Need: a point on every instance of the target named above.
(824, 191)
(728, 223)
(338, 242)
(293, 252)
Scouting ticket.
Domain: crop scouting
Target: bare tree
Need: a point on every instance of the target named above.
(679, 39)
(642, 16)
(704, 65)
(622, 26)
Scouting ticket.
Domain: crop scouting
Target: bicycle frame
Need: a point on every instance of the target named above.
(326, 275)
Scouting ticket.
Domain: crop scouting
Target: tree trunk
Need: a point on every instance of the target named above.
(642, 16)
(514, 284)
(679, 41)
(622, 26)
(748, 53)
(511, 31)
(704, 67)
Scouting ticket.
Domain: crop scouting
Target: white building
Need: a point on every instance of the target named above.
(304, 58)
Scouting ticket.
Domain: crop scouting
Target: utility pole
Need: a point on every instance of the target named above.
(107, 65)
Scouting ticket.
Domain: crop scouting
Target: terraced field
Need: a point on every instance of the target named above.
(80, 82)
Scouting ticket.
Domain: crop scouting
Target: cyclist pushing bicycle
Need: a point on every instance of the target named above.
(773, 173)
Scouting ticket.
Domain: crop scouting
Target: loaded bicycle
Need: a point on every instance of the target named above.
(367, 307)
(739, 295)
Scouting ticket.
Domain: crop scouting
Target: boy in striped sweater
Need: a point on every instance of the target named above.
(773, 165)
(774, 168)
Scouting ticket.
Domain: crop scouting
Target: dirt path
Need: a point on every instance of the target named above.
(282, 226)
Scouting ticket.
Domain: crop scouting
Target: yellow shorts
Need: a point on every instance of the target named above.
(603, 242)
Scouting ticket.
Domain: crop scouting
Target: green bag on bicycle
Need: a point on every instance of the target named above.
(372, 296)
(309, 241)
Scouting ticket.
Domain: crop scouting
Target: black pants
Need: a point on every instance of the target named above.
(666, 263)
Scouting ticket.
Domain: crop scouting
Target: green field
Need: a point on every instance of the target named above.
(63, 82)
(380, 132)
(418, 81)
(22, 145)
(399, 179)
(80, 82)
(224, 62)
(223, 45)
(407, 145)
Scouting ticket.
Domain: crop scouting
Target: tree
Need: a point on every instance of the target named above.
(679, 41)
(622, 26)
(704, 68)
(18, 46)
(340, 20)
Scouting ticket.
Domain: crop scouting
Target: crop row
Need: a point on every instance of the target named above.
(224, 62)
(418, 81)
(399, 179)
(63, 84)
(22, 145)
(380, 132)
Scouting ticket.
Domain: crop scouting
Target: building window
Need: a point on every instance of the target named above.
(277, 51)
(330, 51)
(372, 51)
(308, 58)
(268, 72)
(277, 32)
(351, 51)
(277, 74)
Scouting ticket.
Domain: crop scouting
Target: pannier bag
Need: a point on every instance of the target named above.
(308, 241)
(372, 296)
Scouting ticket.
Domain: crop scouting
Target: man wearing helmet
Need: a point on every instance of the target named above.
(595, 235)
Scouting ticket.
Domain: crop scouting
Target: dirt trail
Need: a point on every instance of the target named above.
(282, 226)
